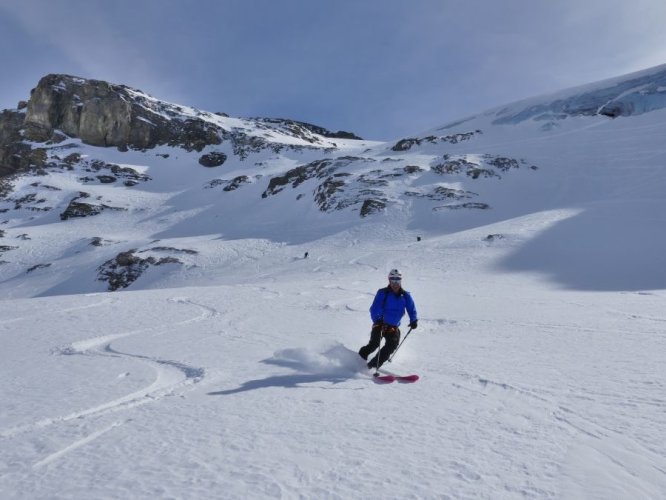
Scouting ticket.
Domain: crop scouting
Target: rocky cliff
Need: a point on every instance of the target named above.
(109, 115)
(104, 114)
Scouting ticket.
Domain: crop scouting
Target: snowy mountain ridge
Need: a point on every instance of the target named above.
(628, 95)
(89, 160)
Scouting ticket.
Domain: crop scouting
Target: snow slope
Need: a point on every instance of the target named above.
(255, 390)
(608, 174)
(234, 374)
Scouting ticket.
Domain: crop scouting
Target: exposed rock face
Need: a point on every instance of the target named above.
(371, 191)
(442, 193)
(37, 266)
(10, 124)
(338, 190)
(478, 206)
(214, 159)
(106, 173)
(298, 175)
(14, 155)
(372, 206)
(453, 164)
(406, 144)
(103, 114)
(90, 109)
(109, 115)
(98, 113)
(78, 209)
(231, 185)
(126, 267)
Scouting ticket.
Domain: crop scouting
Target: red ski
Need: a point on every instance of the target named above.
(387, 378)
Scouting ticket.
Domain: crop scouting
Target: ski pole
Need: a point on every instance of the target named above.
(403, 341)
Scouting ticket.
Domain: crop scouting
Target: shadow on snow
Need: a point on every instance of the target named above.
(335, 365)
(607, 247)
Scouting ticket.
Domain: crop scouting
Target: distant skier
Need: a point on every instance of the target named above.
(386, 311)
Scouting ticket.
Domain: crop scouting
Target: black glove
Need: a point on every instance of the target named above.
(413, 325)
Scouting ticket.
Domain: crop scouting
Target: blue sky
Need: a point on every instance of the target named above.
(383, 69)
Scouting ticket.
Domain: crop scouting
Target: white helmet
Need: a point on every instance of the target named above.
(395, 275)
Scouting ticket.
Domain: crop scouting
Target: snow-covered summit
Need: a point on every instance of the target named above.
(78, 215)
(624, 96)
(107, 114)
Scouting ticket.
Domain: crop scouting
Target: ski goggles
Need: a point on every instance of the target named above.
(395, 280)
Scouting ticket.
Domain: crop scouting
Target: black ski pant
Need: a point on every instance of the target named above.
(392, 336)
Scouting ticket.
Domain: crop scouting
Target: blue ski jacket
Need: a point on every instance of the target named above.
(390, 306)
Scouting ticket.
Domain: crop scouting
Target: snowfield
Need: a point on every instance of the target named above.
(234, 374)
(256, 391)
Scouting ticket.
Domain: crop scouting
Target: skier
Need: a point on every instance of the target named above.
(386, 311)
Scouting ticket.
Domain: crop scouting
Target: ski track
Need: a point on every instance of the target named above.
(69, 309)
(172, 377)
(77, 444)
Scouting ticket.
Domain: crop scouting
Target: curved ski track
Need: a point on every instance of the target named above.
(172, 378)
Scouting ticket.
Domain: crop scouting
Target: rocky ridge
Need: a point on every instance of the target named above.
(108, 115)
(56, 150)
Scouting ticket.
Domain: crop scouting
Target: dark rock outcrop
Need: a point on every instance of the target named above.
(337, 190)
(214, 159)
(104, 114)
(470, 205)
(489, 166)
(502, 163)
(78, 209)
(15, 155)
(372, 206)
(493, 237)
(105, 173)
(441, 193)
(231, 185)
(11, 123)
(126, 267)
(407, 144)
(109, 115)
(37, 266)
